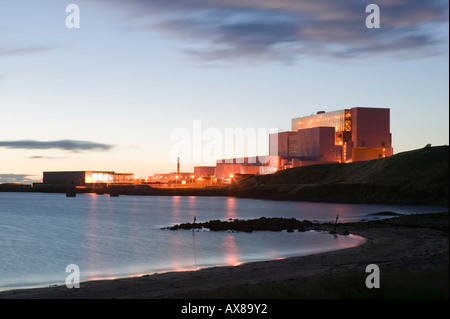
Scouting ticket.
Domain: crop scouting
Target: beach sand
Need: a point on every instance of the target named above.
(398, 244)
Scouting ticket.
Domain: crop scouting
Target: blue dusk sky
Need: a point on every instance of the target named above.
(110, 94)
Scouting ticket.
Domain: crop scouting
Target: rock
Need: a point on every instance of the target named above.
(263, 223)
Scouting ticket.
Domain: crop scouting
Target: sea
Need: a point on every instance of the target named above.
(45, 237)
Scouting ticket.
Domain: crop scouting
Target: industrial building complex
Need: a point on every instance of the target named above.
(349, 135)
(343, 136)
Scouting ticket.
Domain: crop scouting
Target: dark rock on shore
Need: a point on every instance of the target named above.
(263, 223)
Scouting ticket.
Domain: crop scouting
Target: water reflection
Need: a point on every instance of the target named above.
(230, 250)
(92, 240)
(175, 209)
(192, 208)
(349, 241)
(230, 208)
(194, 248)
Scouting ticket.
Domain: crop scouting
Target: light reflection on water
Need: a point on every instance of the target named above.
(109, 237)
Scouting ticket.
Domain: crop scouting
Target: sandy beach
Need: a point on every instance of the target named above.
(398, 244)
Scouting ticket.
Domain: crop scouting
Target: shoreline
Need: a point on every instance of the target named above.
(221, 192)
(197, 268)
(415, 177)
(397, 244)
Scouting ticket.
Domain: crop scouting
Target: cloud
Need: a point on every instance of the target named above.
(67, 145)
(14, 51)
(288, 30)
(19, 178)
(44, 157)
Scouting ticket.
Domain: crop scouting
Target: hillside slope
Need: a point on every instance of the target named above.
(414, 177)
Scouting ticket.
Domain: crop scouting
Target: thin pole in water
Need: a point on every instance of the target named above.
(335, 223)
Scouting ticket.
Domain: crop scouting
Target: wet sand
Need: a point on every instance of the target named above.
(403, 243)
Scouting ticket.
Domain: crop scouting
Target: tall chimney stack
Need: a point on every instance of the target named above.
(178, 165)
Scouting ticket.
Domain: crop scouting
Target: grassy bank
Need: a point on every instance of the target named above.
(414, 177)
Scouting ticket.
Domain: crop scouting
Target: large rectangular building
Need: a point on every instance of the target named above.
(371, 136)
(348, 135)
(317, 143)
(204, 171)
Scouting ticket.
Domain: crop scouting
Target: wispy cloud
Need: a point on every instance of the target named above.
(288, 30)
(44, 157)
(21, 50)
(67, 145)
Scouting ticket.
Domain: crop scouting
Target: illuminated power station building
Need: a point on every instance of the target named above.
(349, 135)
(343, 136)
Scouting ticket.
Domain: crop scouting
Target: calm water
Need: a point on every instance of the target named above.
(109, 237)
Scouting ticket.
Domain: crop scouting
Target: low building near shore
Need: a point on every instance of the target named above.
(87, 178)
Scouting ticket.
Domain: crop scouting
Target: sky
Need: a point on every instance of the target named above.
(117, 93)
